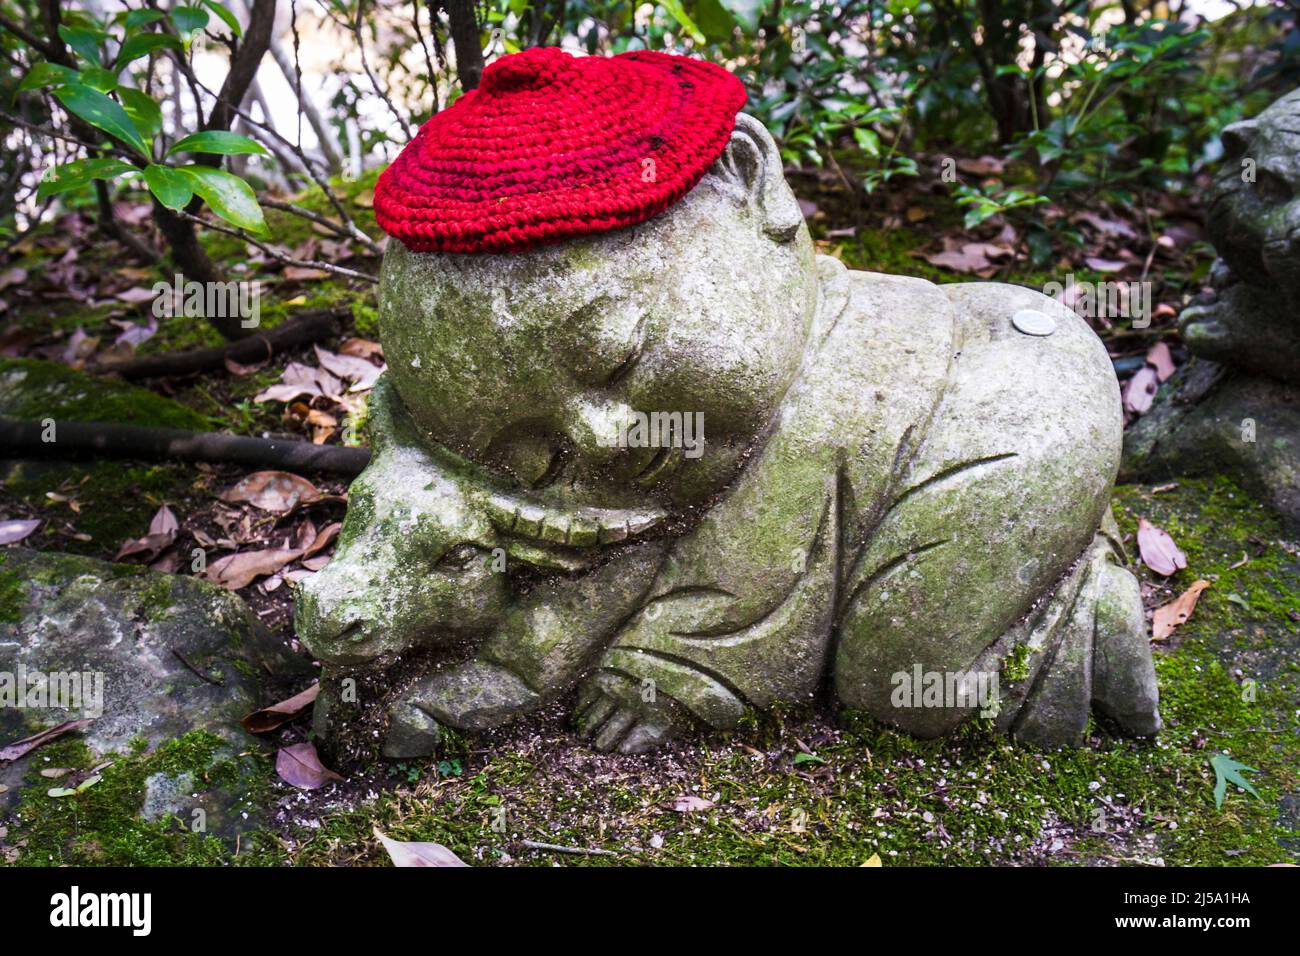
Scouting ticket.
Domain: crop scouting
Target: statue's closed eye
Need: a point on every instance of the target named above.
(457, 558)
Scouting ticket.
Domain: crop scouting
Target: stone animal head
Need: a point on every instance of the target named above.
(1255, 213)
(541, 364)
(414, 565)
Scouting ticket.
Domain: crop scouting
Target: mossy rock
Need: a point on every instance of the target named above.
(155, 656)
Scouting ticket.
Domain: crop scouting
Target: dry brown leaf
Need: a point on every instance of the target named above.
(323, 539)
(1159, 358)
(362, 348)
(1140, 390)
(360, 372)
(277, 715)
(1158, 550)
(1177, 611)
(278, 492)
(418, 854)
(322, 425)
(303, 273)
(300, 766)
(20, 748)
(236, 571)
(161, 536)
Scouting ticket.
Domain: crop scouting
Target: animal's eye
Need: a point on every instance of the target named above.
(457, 558)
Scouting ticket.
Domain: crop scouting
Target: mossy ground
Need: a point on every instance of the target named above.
(101, 826)
(802, 789)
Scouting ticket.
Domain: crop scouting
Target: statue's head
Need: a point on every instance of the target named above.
(654, 276)
(1255, 214)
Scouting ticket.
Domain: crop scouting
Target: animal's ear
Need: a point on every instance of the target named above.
(752, 162)
(1238, 137)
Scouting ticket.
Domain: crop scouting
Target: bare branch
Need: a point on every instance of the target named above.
(277, 254)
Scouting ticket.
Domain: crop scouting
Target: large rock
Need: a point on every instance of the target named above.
(157, 655)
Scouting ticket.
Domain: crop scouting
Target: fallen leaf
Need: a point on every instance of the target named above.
(303, 273)
(691, 804)
(136, 334)
(299, 766)
(285, 392)
(236, 571)
(1161, 360)
(358, 371)
(137, 295)
(1140, 390)
(235, 368)
(269, 718)
(1104, 265)
(322, 425)
(20, 748)
(873, 860)
(362, 348)
(13, 276)
(982, 166)
(1158, 550)
(278, 492)
(1226, 771)
(161, 536)
(323, 539)
(1169, 616)
(417, 854)
(16, 529)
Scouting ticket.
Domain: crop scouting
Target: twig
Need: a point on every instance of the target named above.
(196, 672)
(365, 65)
(277, 254)
(341, 230)
(571, 850)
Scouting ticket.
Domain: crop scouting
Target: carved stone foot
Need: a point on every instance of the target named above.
(613, 715)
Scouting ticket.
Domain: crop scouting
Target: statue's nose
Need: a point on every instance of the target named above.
(598, 429)
(588, 434)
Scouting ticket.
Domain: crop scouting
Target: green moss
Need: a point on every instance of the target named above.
(101, 826)
(33, 390)
(115, 500)
(973, 799)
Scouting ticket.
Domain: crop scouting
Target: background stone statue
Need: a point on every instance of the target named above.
(897, 480)
(1236, 406)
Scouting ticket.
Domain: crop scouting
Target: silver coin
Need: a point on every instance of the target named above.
(1033, 322)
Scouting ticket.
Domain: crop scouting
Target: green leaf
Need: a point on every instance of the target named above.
(48, 74)
(1226, 771)
(189, 19)
(103, 113)
(746, 12)
(86, 42)
(807, 758)
(143, 110)
(173, 188)
(138, 18)
(229, 196)
(97, 78)
(867, 141)
(230, 19)
(59, 179)
(145, 43)
(678, 13)
(219, 142)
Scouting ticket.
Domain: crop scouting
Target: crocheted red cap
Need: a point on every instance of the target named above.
(552, 146)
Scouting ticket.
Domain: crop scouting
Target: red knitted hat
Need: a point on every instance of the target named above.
(552, 146)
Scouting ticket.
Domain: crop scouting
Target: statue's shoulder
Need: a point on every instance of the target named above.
(888, 318)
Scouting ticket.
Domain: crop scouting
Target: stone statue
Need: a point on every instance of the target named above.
(1236, 406)
(691, 469)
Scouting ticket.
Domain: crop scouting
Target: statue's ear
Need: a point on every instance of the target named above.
(1238, 137)
(752, 162)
